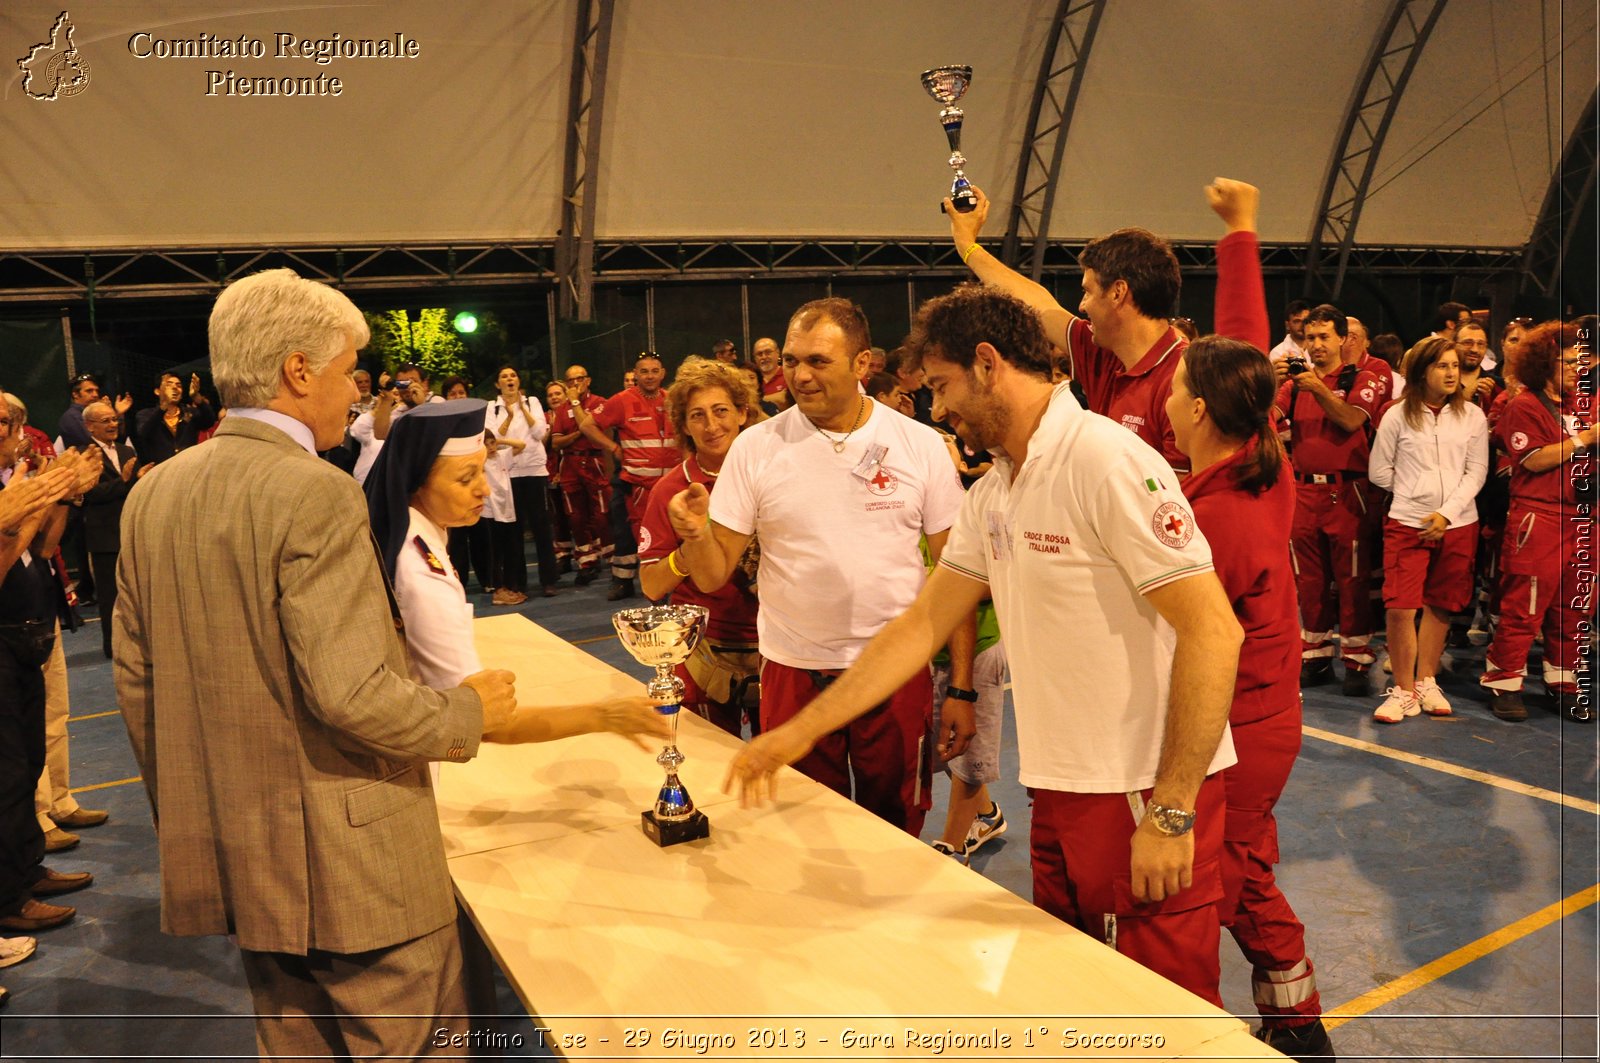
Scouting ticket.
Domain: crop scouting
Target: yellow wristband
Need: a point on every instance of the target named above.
(672, 563)
(968, 254)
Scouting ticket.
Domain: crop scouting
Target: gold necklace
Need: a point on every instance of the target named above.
(838, 444)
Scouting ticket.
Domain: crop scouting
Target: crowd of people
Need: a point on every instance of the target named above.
(881, 537)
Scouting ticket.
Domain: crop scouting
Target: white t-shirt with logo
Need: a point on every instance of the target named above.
(1093, 522)
(839, 531)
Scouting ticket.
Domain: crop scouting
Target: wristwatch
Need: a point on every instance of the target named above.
(961, 695)
(1172, 822)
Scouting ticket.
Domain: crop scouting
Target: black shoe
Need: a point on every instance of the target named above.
(1307, 1042)
(1314, 673)
(1507, 705)
(563, 565)
(1355, 683)
(1457, 638)
(1577, 706)
(586, 576)
(620, 589)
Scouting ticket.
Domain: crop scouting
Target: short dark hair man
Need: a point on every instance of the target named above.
(1294, 330)
(1331, 407)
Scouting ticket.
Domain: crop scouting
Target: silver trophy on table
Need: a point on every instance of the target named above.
(947, 84)
(662, 636)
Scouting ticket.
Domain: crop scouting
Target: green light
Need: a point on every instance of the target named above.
(465, 321)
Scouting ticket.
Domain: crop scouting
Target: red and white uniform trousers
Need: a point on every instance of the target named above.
(1335, 526)
(584, 495)
(1546, 583)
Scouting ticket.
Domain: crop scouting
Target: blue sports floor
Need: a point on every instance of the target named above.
(1446, 869)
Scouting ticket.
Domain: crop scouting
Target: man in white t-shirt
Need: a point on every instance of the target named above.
(1294, 331)
(1122, 643)
(840, 490)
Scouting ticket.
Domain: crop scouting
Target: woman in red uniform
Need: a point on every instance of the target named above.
(1242, 491)
(1547, 554)
(709, 403)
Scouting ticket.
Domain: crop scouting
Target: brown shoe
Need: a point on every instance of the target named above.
(50, 882)
(83, 817)
(56, 839)
(36, 915)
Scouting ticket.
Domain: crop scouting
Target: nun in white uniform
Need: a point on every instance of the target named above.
(430, 478)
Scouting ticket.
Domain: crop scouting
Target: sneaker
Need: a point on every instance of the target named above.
(1314, 673)
(986, 827)
(1507, 705)
(1307, 1042)
(944, 848)
(1431, 698)
(15, 950)
(1356, 684)
(1397, 706)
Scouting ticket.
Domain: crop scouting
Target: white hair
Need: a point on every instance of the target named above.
(261, 320)
(12, 400)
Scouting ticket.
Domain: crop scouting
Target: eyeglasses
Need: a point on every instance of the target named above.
(575, 379)
(647, 354)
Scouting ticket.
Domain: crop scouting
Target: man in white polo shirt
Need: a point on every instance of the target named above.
(1122, 642)
(839, 490)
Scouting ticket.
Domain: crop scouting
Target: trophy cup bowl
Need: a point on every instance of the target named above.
(662, 636)
(947, 84)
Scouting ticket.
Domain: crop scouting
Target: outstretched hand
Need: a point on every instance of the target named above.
(964, 228)
(632, 717)
(753, 773)
(690, 512)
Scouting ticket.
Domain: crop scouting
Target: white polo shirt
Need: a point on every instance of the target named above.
(838, 531)
(1093, 522)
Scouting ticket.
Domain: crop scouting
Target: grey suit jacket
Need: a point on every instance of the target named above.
(264, 688)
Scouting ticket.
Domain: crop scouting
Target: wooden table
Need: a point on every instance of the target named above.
(808, 930)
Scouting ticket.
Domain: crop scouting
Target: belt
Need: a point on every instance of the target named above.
(1329, 477)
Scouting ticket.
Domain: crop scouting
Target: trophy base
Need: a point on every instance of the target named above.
(964, 204)
(671, 832)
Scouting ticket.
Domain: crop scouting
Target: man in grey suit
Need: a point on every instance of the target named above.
(264, 689)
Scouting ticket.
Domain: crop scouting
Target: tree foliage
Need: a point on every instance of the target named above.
(428, 340)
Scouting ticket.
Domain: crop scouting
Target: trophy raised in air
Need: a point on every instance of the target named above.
(662, 636)
(947, 84)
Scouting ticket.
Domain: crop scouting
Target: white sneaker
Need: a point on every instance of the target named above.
(1397, 706)
(15, 950)
(1431, 698)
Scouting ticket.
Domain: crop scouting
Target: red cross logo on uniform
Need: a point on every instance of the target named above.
(882, 482)
(1173, 525)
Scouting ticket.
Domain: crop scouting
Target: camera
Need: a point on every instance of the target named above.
(1296, 364)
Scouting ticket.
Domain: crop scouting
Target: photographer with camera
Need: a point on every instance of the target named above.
(1331, 406)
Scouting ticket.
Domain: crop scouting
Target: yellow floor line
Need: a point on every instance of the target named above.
(1452, 769)
(1453, 961)
(105, 785)
(94, 715)
(585, 642)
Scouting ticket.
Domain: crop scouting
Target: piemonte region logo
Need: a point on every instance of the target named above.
(55, 68)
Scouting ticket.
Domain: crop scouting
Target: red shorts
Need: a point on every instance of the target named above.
(1436, 574)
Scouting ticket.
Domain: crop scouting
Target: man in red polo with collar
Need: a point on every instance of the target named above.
(1123, 347)
(1331, 407)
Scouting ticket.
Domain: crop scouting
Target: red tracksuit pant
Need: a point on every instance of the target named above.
(1081, 848)
(1254, 909)
(885, 752)
(584, 492)
(1546, 581)
(1332, 538)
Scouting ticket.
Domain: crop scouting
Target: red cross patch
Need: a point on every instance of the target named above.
(1173, 525)
(882, 482)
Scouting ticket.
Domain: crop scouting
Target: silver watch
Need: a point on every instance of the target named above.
(1172, 822)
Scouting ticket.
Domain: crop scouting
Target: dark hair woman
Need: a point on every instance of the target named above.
(1242, 491)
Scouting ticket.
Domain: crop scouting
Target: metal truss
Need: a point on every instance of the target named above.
(1055, 97)
(56, 278)
(580, 175)
(1571, 186)
(1388, 68)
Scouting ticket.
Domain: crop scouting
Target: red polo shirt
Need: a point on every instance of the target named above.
(562, 422)
(649, 448)
(1249, 536)
(733, 607)
(1136, 398)
(1318, 444)
(1524, 427)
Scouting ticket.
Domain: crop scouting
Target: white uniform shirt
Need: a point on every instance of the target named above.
(434, 607)
(1285, 348)
(1092, 523)
(839, 534)
(531, 462)
(1438, 468)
